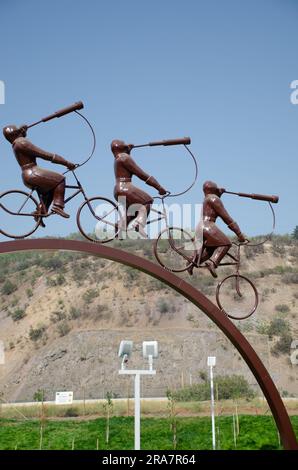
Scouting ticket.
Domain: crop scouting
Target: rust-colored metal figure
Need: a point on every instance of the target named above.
(125, 168)
(215, 243)
(49, 185)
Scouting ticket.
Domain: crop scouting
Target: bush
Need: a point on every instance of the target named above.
(283, 345)
(282, 308)
(29, 293)
(53, 263)
(229, 387)
(8, 288)
(57, 316)
(39, 395)
(74, 313)
(63, 328)
(18, 314)
(90, 295)
(71, 413)
(162, 306)
(278, 327)
(36, 333)
(290, 278)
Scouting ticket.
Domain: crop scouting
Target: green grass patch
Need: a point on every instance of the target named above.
(256, 432)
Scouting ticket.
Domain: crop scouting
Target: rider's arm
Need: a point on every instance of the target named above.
(133, 168)
(32, 150)
(225, 216)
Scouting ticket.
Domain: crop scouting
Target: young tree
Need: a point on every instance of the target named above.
(295, 233)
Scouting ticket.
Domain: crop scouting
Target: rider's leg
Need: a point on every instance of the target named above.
(123, 223)
(141, 219)
(201, 257)
(215, 259)
(58, 199)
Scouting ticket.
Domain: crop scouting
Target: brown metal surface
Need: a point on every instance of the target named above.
(197, 298)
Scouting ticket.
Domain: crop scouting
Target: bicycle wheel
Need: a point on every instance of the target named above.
(237, 297)
(17, 220)
(174, 249)
(97, 219)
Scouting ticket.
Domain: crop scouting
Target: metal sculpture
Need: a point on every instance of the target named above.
(249, 355)
(175, 249)
(125, 168)
(216, 246)
(50, 186)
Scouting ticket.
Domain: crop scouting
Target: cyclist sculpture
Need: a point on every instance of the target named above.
(215, 243)
(49, 185)
(136, 201)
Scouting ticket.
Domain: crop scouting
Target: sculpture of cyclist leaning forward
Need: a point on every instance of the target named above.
(137, 202)
(215, 243)
(49, 185)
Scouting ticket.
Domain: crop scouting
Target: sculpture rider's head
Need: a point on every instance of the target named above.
(12, 132)
(209, 187)
(119, 146)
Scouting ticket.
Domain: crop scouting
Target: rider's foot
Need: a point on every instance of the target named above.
(59, 211)
(190, 269)
(211, 268)
(38, 216)
(140, 229)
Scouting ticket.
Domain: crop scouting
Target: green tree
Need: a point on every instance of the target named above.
(295, 233)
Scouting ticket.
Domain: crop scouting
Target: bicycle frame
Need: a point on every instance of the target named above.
(163, 215)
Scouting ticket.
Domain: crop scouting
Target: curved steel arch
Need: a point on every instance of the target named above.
(197, 298)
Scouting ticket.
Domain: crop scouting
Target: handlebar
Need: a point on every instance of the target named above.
(182, 141)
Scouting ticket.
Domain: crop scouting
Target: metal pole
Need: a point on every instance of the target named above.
(212, 408)
(137, 413)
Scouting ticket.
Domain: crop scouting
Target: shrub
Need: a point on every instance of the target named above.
(18, 314)
(53, 263)
(278, 327)
(74, 313)
(71, 413)
(39, 395)
(282, 308)
(63, 328)
(229, 387)
(283, 345)
(36, 333)
(90, 295)
(162, 306)
(57, 316)
(29, 293)
(8, 288)
(290, 278)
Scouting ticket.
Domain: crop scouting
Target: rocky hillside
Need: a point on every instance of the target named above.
(62, 316)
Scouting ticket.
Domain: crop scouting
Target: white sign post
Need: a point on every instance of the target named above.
(137, 399)
(211, 362)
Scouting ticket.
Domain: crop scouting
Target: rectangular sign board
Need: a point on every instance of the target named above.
(64, 398)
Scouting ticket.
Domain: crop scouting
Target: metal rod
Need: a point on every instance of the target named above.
(212, 409)
(137, 413)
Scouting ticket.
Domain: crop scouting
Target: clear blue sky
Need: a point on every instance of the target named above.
(219, 71)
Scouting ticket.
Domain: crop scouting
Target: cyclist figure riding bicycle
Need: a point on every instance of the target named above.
(49, 185)
(125, 168)
(215, 243)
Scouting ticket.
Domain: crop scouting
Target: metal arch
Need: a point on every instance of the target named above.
(251, 358)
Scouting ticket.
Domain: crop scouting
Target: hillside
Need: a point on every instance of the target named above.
(63, 315)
